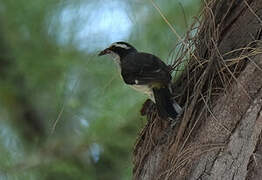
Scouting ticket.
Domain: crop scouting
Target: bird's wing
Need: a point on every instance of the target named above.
(143, 68)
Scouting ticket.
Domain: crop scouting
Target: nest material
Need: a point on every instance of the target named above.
(210, 66)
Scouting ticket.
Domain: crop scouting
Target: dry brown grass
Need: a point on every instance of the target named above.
(207, 73)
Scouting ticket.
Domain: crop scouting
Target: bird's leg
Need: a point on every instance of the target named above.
(147, 107)
(173, 122)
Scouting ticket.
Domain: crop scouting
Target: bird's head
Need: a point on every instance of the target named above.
(118, 50)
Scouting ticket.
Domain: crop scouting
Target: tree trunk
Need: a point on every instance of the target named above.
(219, 133)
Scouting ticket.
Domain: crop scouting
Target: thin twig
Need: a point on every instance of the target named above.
(251, 10)
(173, 29)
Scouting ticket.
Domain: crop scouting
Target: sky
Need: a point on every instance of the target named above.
(95, 24)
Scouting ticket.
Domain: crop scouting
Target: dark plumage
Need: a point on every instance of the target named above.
(145, 68)
(147, 73)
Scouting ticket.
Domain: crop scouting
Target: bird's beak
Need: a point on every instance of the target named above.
(104, 52)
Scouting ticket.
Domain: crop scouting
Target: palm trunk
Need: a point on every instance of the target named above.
(219, 136)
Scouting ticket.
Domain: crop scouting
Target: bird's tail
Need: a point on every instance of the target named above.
(166, 106)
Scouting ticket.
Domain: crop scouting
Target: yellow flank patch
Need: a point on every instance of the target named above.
(156, 85)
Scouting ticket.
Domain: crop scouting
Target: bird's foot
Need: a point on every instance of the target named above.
(147, 107)
(174, 121)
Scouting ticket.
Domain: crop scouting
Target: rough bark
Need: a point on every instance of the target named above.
(219, 136)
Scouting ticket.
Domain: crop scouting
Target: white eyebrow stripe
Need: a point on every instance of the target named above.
(121, 45)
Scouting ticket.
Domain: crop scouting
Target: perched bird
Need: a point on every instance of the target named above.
(145, 73)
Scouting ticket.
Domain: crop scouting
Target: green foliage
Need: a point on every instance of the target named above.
(51, 79)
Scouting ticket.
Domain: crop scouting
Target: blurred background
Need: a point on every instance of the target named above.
(64, 112)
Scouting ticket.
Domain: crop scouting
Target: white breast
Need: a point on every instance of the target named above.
(144, 89)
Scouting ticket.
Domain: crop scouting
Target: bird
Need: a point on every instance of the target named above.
(145, 73)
